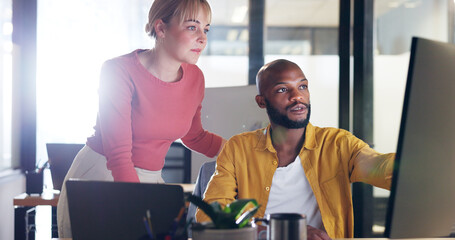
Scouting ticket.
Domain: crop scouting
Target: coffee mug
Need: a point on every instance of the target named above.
(285, 226)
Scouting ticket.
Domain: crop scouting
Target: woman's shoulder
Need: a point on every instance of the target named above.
(123, 61)
(127, 57)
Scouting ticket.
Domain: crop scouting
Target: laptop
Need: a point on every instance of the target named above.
(61, 156)
(116, 210)
(422, 198)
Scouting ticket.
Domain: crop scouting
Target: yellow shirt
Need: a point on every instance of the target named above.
(331, 158)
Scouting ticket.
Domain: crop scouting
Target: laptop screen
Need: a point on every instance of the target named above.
(116, 210)
(422, 198)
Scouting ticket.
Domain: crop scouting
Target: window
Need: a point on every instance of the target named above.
(308, 35)
(396, 22)
(70, 51)
(6, 47)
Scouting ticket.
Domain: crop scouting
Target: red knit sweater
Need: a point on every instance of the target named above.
(140, 116)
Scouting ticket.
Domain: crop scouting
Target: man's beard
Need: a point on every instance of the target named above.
(283, 120)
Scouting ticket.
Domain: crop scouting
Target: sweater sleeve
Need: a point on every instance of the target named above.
(197, 138)
(116, 91)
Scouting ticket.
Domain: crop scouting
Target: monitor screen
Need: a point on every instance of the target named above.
(422, 198)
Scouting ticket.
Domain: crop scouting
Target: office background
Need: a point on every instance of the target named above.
(50, 64)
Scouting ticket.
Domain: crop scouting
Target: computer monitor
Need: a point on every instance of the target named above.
(422, 198)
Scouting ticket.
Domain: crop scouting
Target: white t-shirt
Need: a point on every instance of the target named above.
(291, 193)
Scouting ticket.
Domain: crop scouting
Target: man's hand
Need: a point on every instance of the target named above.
(316, 234)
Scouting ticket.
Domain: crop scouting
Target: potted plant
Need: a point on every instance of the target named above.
(230, 222)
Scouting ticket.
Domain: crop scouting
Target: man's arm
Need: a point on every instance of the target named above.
(371, 167)
(222, 187)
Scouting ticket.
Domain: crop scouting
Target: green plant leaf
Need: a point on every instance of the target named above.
(227, 209)
(205, 207)
(235, 215)
(216, 207)
(244, 219)
(238, 206)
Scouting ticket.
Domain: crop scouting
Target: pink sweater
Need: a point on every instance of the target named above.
(140, 116)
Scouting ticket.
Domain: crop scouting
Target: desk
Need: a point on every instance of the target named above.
(25, 205)
(25, 200)
(187, 187)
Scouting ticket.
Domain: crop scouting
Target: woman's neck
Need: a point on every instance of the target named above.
(161, 65)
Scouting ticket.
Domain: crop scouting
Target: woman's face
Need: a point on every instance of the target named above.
(186, 40)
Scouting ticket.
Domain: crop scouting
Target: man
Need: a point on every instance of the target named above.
(293, 166)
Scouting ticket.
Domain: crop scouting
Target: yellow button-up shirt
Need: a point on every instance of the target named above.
(331, 158)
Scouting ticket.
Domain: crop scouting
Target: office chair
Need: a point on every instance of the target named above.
(61, 156)
(205, 173)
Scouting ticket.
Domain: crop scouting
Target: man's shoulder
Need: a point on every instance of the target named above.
(330, 132)
(330, 135)
(250, 136)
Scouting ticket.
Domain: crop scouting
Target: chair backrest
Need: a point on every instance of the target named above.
(61, 156)
(205, 173)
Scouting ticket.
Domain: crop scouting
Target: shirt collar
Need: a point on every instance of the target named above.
(265, 139)
(310, 137)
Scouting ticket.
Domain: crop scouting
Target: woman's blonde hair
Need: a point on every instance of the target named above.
(182, 9)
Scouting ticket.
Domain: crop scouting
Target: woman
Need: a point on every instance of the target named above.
(147, 100)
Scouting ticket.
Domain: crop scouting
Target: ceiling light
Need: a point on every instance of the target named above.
(412, 4)
(285, 50)
(239, 14)
(232, 35)
(395, 4)
(244, 35)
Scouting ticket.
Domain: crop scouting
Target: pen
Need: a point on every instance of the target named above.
(179, 216)
(176, 223)
(149, 223)
(147, 227)
(42, 168)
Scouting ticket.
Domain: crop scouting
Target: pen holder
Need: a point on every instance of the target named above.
(34, 182)
(177, 231)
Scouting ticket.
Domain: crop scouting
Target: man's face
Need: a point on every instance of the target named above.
(283, 120)
(286, 97)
